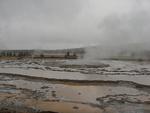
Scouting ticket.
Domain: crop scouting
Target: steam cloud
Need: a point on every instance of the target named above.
(124, 35)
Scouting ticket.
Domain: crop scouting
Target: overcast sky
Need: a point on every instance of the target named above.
(55, 24)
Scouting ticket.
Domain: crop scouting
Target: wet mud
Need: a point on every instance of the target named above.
(25, 93)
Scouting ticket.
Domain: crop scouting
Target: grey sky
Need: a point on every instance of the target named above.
(52, 24)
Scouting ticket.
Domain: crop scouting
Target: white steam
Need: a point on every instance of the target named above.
(124, 36)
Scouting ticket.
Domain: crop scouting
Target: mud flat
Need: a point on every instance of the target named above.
(49, 87)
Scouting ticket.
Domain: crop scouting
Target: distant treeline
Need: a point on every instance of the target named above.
(65, 53)
(16, 53)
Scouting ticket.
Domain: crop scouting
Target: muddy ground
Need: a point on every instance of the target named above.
(74, 86)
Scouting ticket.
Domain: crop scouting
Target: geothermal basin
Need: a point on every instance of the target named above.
(74, 86)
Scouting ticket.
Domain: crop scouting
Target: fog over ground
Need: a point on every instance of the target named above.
(58, 24)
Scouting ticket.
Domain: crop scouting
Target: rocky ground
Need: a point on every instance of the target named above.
(74, 86)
